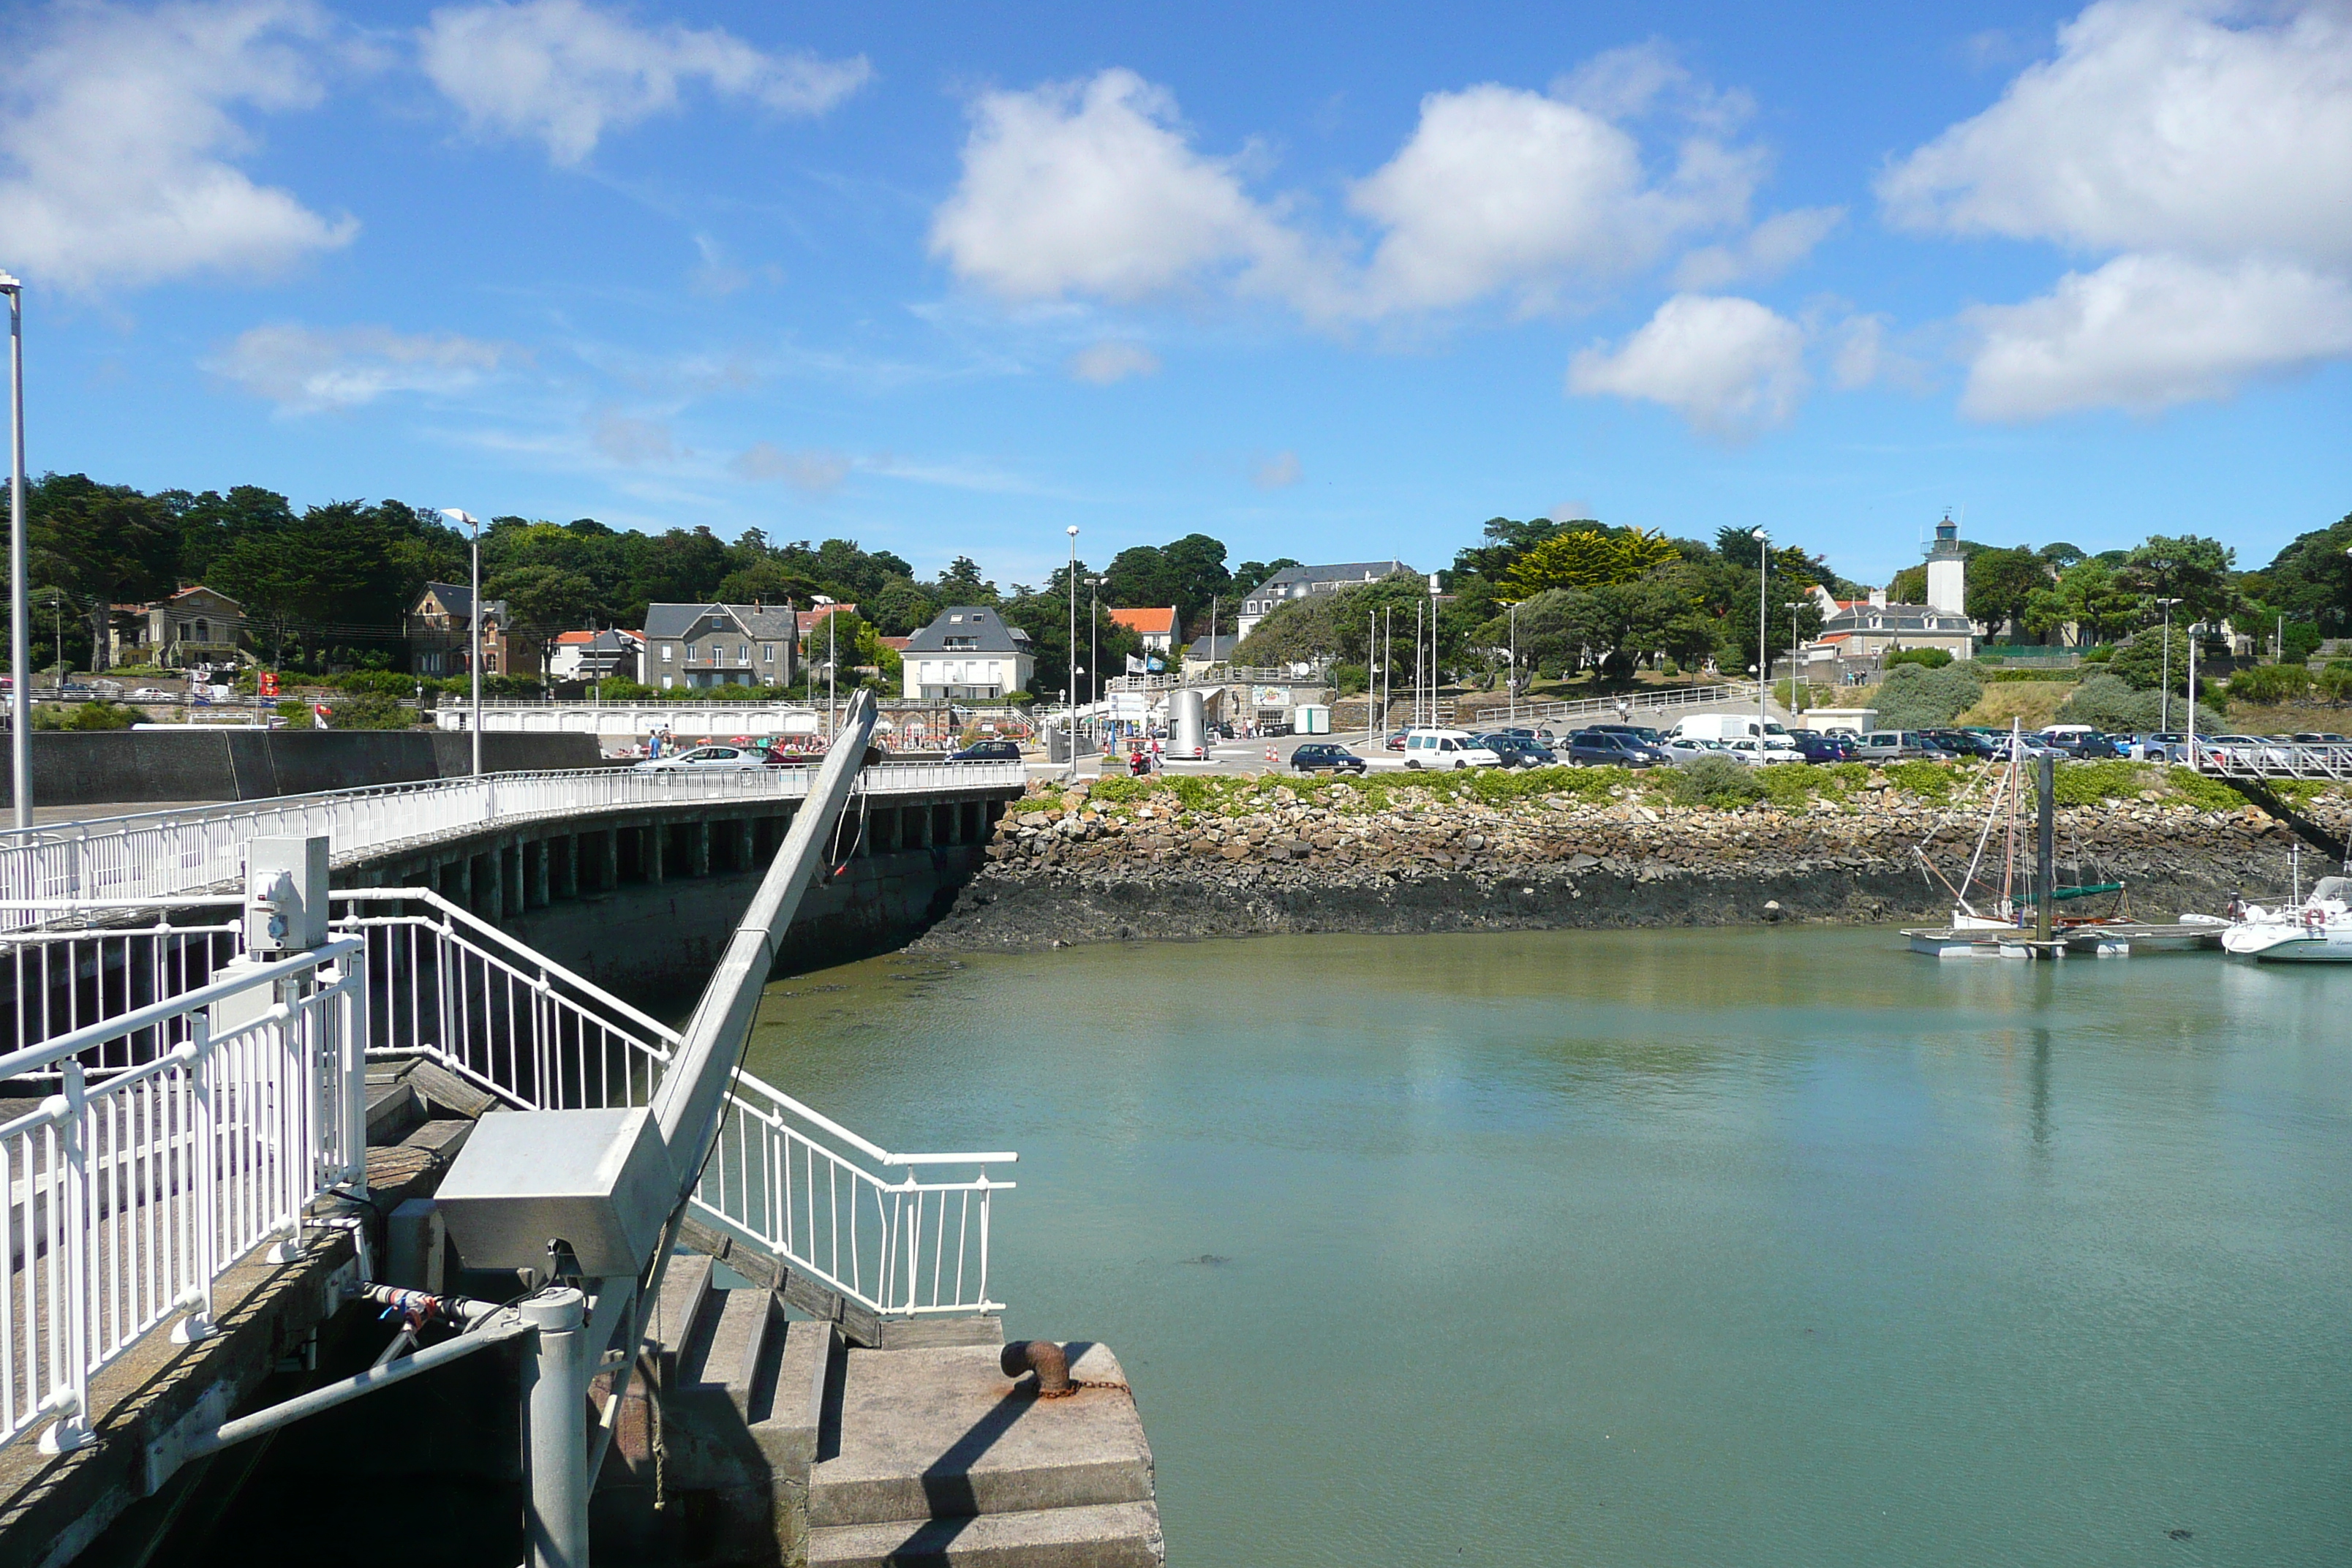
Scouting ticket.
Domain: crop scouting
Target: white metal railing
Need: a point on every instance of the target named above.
(173, 1149)
(128, 1196)
(2263, 759)
(911, 1246)
(154, 855)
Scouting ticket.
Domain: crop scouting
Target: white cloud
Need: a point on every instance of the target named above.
(305, 371)
(630, 440)
(1277, 472)
(2145, 333)
(563, 72)
(2161, 125)
(1503, 190)
(119, 133)
(1859, 355)
(1771, 248)
(1111, 361)
(812, 472)
(1729, 366)
(2211, 144)
(1096, 188)
(1093, 188)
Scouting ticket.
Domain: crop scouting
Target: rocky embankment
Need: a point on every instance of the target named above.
(1230, 856)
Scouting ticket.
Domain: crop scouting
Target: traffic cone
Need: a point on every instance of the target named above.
(1269, 753)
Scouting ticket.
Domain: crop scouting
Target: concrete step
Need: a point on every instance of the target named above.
(677, 1310)
(786, 1427)
(736, 1352)
(1109, 1535)
(942, 1434)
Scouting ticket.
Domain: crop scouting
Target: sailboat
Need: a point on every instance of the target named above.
(2317, 930)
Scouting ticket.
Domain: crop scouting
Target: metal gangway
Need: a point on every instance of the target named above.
(2269, 760)
(201, 1065)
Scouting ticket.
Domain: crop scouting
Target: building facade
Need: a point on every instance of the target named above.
(688, 646)
(440, 635)
(967, 653)
(609, 654)
(196, 625)
(1299, 581)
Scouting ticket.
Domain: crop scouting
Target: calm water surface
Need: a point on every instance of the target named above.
(1642, 1249)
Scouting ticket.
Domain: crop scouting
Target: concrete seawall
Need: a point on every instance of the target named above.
(1289, 855)
(109, 767)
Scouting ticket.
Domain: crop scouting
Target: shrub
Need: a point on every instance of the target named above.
(1933, 780)
(2143, 662)
(1115, 790)
(2110, 704)
(2303, 640)
(2271, 683)
(368, 711)
(2091, 783)
(1932, 658)
(2335, 682)
(1718, 782)
(98, 715)
(1914, 696)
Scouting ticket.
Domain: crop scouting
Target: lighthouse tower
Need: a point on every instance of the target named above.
(1947, 569)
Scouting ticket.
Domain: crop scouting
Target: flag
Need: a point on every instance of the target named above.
(1134, 665)
(1154, 665)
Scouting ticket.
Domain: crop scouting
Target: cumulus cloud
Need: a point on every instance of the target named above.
(1503, 190)
(1728, 365)
(1097, 188)
(814, 471)
(2145, 333)
(2161, 125)
(628, 439)
(305, 371)
(1278, 472)
(1094, 188)
(2211, 144)
(1771, 248)
(118, 135)
(563, 72)
(1111, 361)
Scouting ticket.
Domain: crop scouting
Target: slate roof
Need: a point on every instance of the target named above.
(457, 598)
(1343, 572)
(1864, 616)
(766, 623)
(969, 621)
(1212, 650)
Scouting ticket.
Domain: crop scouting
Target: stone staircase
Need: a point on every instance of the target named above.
(771, 1441)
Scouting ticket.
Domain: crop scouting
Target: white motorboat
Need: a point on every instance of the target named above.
(2317, 930)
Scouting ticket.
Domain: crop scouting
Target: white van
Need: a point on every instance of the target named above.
(1446, 749)
(1727, 727)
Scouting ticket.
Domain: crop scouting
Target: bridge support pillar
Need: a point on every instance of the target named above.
(541, 889)
(490, 883)
(464, 899)
(566, 850)
(746, 853)
(698, 848)
(608, 859)
(654, 832)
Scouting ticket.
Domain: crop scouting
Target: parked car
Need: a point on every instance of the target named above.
(1893, 745)
(1396, 740)
(988, 751)
(708, 759)
(2083, 745)
(1607, 749)
(155, 694)
(1761, 754)
(1817, 746)
(1688, 748)
(1446, 749)
(1960, 742)
(1524, 732)
(1520, 751)
(1326, 757)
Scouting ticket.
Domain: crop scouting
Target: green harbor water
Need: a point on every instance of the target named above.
(1755, 1247)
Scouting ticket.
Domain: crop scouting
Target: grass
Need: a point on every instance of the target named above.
(2034, 702)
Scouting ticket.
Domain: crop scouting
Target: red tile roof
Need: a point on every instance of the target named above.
(1148, 622)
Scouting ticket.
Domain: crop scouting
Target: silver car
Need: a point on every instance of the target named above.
(708, 759)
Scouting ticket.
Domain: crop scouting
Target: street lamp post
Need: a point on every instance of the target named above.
(1763, 621)
(1511, 689)
(2164, 679)
(1094, 650)
(1070, 717)
(20, 625)
(1796, 705)
(473, 654)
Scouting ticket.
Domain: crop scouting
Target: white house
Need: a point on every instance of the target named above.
(968, 652)
(1298, 582)
(597, 656)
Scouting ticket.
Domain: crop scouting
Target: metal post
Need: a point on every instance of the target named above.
(1070, 718)
(2164, 680)
(1763, 618)
(69, 1350)
(1511, 687)
(476, 661)
(2194, 760)
(555, 1432)
(20, 622)
(2045, 855)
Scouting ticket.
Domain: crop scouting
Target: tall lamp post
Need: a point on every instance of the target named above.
(1511, 689)
(2164, 679)
(1070, 719)
(1796, 704)
(20, 624)
(1763, 633)
(474, 653)
(1094, 648)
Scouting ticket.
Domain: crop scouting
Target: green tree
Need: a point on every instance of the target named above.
(2311, 579)
(2087, 595)
(2192, 569)
(104, 542)
(1589, 558)
(962, 584)
(2002, 585)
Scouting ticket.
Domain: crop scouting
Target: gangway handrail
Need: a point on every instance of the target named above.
(866, 1145)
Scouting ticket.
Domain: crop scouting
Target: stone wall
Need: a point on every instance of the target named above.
(1286, 856)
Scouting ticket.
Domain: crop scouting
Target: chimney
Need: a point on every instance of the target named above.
(1878, 598)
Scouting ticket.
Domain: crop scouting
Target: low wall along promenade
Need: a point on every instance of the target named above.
(130, 767)
(1202, 857)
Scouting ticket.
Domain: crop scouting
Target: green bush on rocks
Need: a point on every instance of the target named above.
(1717, 781)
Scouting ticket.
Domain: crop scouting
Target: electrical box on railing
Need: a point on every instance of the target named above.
(597, 1181)
(285, 894)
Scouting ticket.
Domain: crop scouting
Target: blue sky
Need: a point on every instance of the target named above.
(1328, 282)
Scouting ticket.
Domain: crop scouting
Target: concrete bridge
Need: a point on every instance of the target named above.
(632, 877)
